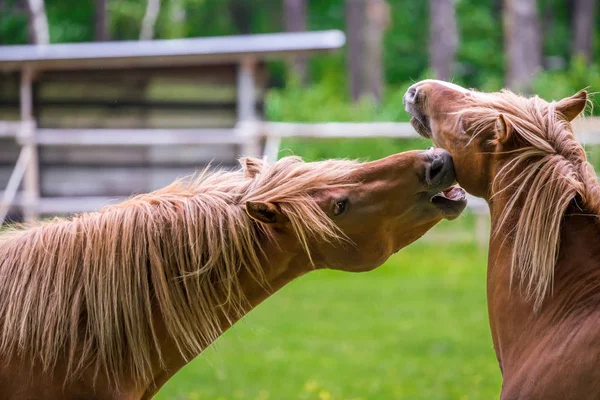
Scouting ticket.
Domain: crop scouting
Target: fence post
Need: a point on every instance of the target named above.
(482, 229)
(31, 193)
(246, 106)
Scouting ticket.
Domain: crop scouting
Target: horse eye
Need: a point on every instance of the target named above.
(339, 207)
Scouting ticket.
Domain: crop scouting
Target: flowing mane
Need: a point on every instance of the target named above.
(88, 290)
(545, 174)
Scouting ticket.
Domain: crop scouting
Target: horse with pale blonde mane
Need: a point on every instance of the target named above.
(521, 155)
(111, 304)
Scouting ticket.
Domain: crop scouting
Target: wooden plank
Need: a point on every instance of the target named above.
(189, 91)
(9, 87)
(136, 137)
(209, 74)
(10, 129)
(105, 181)
(191, 154)
(109, 181)
(74, 205)
(133, 118)
(109, 90)
(115, 93)
(339, 129)
(159, 155)
(94, 155)
(211, 84)
(209, 50)
(97, 155)
(189, 119)
(10, 113)
(9, 150)
(68, 205)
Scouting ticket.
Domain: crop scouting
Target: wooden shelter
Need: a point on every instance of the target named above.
(84, 123)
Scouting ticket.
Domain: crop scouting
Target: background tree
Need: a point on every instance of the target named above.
(38, 22)
(101, 21)
(294, 17)
(241, 15)
(522, 43)
(443, 37)
(354, 29)
(377, 21)
(366, 20)
(583, 28)
(150, 17)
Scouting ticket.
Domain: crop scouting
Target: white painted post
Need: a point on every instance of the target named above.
(246, 103)
(272, 145)
(482, 229)
(31, 179)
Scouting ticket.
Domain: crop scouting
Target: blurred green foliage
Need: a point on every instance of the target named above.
(479, 61)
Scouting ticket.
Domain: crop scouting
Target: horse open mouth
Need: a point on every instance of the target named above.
(421, 125)
(451, 202)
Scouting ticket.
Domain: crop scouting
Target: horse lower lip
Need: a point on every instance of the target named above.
(420, 126)
(453, 193)
(451, 204)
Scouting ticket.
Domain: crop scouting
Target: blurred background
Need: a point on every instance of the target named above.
(417, 327)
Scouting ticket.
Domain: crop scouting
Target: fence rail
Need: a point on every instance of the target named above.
(587, 131)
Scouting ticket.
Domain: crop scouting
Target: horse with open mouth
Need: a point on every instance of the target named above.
(520, 154)
(111, 304)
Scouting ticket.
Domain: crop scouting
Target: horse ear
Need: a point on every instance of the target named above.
(251, 166)
(504, 129)
(572, 106)
(267, 213)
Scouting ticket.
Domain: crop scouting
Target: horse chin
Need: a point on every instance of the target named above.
(362, 267)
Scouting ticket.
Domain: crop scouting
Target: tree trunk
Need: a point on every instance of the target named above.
(366, 20)
(354, 28)
(583, 28)
(240, 12)
(377, 20)
(294, 15)
(38, 22)
(101, 21)
(522, 43)
(443, 37)
(152, 10)
(497, 8)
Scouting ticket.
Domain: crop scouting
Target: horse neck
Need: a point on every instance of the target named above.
(576, 283)
(280, 268)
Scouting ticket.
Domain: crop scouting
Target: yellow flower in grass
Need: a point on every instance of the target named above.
(310, 386)
(263, 395)
(324, 395)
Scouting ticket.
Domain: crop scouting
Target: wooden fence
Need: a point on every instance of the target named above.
(588, 131)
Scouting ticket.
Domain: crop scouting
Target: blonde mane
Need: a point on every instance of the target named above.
(88, 291)
(544, 175)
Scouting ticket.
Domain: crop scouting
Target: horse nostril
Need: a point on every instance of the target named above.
(434, 170)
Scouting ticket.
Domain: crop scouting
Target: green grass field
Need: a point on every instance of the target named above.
(416, 328)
